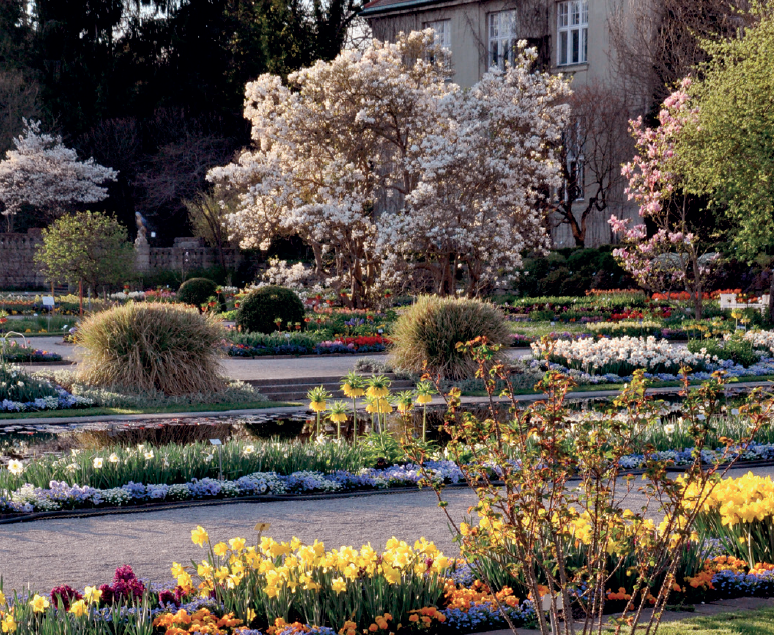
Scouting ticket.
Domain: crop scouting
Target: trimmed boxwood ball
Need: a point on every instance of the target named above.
(260, 309)
(429, 331)
(196, 291)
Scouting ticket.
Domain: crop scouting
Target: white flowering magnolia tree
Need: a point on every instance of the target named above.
(391, 172)
(42, 172)
(481, 177)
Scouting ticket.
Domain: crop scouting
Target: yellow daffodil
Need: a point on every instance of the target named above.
(220, 549)
(237, 544)
(39, 603)
(199, 536)
(338, 585)
(78, 608)
(92, 594)
(8, 623)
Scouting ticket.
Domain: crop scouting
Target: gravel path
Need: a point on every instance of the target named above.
(80, 551)
(244, 369)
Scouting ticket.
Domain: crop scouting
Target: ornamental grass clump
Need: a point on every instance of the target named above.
(425, 337)
(152, 348)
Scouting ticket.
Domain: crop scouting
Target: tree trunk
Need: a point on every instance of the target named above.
(80, 296)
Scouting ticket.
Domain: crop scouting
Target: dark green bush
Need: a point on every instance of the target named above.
(196, 291)
(572, 271)
(736, 349)
(260, 309)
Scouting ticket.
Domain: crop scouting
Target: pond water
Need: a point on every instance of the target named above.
(22, 440)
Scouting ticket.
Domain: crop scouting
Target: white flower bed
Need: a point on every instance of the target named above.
(622, 354)
(761, 339)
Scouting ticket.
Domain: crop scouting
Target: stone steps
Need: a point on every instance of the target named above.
(296, 388)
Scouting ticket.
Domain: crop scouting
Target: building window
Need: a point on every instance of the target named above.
(502, 38)
(442, 30)
(572, 31)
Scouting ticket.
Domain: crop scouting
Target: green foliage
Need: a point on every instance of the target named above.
(737, 349)
(196, 291)
(733, 164)
(175, 463)
(152, 347)
(429, 331)
(261, 308)
(572, 271)
(88, 247)
(17, 385)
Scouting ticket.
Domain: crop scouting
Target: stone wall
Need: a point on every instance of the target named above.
(18, 270)
(17, 264)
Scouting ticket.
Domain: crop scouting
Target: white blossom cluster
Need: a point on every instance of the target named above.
(390, 171)
(761, 339)
(41, 171)
(647, 353)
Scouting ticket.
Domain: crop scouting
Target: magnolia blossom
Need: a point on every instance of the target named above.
(390, 172)
(671, 256)
(42, 172)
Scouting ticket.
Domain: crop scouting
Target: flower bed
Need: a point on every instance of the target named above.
(626, 327)
(622, 356)
(60, 495)
(62, 401)
(14, 352)
(20, 392)
(306, 344)
(283, 588)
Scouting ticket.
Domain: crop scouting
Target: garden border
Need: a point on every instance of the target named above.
(575, 395)
(286, 498)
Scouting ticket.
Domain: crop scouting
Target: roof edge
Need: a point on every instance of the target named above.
(398, 6)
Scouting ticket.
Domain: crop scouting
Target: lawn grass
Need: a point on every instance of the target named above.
(93, 412)
(754, 622)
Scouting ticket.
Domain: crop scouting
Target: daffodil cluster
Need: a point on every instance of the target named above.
(278, 579)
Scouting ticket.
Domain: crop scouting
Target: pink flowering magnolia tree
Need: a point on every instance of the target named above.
(672, 255)
(42, 172)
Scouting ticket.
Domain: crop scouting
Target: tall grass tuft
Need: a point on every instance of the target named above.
(152, 348)
(431, 328)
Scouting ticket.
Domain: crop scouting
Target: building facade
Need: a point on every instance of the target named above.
(572, 37)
